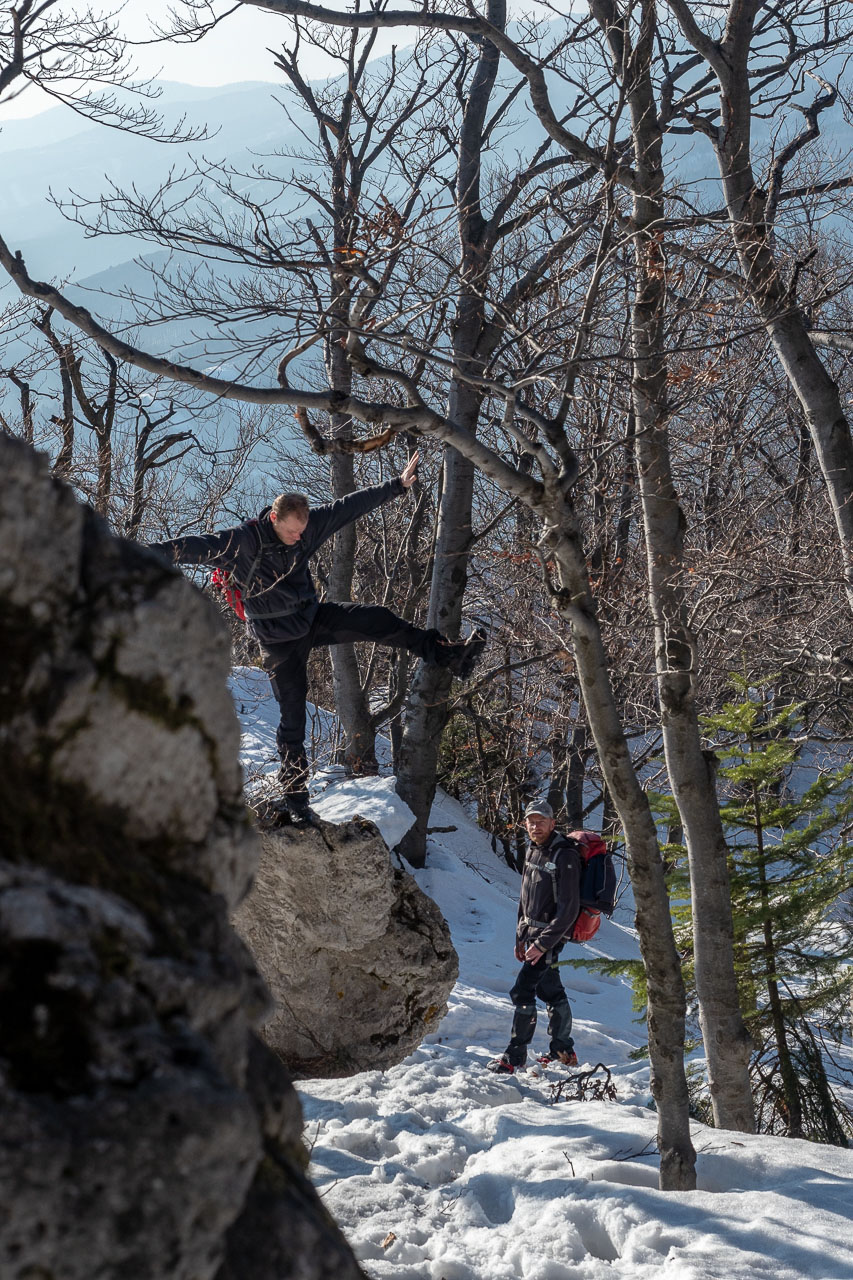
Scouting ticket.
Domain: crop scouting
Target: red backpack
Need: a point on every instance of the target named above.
(223, 582)
(226, 585)
(597, 887)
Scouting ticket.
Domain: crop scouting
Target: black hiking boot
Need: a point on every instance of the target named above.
(270, 812)
(284, 811)
(284, 803)
(300, 812)
(463, 657)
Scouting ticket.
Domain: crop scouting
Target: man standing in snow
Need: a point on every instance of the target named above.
(547, 908)
(267, 559)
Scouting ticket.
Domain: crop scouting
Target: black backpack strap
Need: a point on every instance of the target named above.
(253, 567)
(565, 845)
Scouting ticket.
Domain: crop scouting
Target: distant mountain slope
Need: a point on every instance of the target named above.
(58, 152)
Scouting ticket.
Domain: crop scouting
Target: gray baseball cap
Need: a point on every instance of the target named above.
(541, 807)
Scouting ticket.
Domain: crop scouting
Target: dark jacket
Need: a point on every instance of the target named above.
(280, 597)
(543, 918)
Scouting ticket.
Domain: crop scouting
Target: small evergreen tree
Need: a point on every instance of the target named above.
(791, 870)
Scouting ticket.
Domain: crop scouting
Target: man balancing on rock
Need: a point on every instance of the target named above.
(268, 561)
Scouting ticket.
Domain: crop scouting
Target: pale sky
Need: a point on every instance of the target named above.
(234, 51)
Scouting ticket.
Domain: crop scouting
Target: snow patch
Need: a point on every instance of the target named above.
(372, 798)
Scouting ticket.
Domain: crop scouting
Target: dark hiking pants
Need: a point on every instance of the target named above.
(540, 980)
(287, 666)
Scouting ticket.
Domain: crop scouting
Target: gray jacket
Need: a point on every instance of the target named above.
(550, 892)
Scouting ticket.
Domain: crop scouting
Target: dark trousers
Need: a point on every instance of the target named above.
(541, 980)
(286, 664)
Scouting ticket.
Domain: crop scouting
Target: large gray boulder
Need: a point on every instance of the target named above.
(359, 961)
(146, 1132)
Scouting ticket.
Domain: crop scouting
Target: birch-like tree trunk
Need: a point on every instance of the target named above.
(666, 996)
(693, 782)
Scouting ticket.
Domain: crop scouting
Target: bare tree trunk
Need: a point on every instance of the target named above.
(65, 456)
(351, 696)
(801, 480)
(727, 1043)
(558, 749)
(578, 754)
(100, 417)
(426, 714)
(666, 996)
(629, 487)
(105, 473)
(816, 391)
(351, 702)
(150, 457)
(27, 407)
(787, 1071)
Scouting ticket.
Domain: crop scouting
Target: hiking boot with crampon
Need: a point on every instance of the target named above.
(502, 1066)
(565, 1058)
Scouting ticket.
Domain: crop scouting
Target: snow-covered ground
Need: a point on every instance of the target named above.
(437, 1170)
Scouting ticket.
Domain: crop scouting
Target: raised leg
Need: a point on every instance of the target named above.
(350, 623)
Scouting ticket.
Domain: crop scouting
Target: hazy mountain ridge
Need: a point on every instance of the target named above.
(40, 158)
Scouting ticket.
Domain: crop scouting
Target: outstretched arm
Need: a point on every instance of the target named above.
(410, 470)
(324, 521)
(218, 549)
